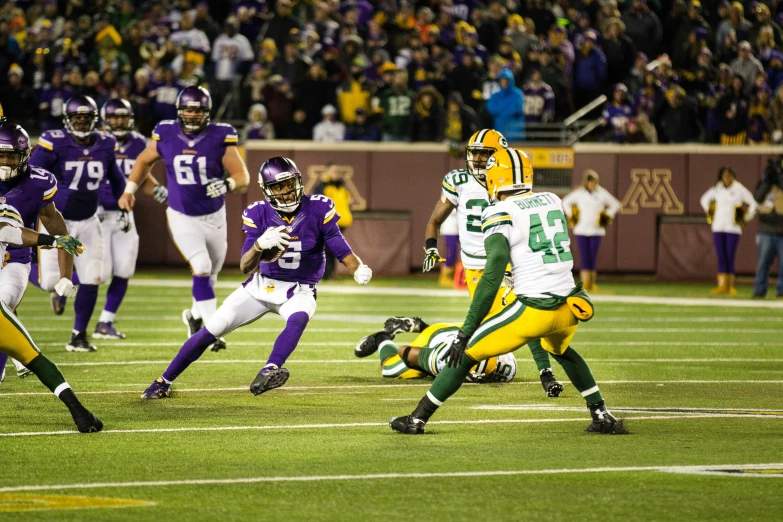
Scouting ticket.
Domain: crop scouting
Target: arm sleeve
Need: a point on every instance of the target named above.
(568, 202)
(252, 229)
(762, 189)
(43, 156)
(449, 190)
(612, 204)
(753, 207)
(116, 179)
(706, 198)
(498, 256)
(333, 236)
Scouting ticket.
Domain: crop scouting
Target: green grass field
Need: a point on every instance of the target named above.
(699, 386)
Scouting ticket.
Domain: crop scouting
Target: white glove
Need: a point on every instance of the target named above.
(160, 194)
(123, 220)
(65, 288)
(363, 274)
(218, 187)
(275, 237)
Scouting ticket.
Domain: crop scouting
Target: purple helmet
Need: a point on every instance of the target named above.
(281, 171)
(117, 108)
(80, 116)
(14, 151)
(194, 98)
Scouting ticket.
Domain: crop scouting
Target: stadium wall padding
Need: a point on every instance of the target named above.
(652, 181)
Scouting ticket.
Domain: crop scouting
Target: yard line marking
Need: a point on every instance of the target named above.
(366, 425)
(243, 330)
(380, 476)
(420, 385)
(741, 412)
(150, 344)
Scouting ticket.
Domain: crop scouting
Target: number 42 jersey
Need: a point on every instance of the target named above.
(535, 227)
(470, 198)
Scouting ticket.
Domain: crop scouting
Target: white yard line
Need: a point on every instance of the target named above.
(380, 476)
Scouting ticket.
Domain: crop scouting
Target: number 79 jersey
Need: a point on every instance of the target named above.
(535, 226)
(470, 198)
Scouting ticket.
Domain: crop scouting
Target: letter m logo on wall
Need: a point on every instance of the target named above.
(651, 189)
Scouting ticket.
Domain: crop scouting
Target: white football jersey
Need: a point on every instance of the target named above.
(470, 199)
(535, 226)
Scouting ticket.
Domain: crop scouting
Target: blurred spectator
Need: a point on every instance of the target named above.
(635, 78)
(51, 101)
(539, 100)
(94, 89)
(566, 55)
(680, 118)
(192, 74)
(18, 99)
(312, 46)
(258, 126)
(746, 66)
(191, 40)
(292, 66)
(736, 23)
(764, 22)
(507, 108)
(649, 96)
(280, 25)
(640, 130)
(427, 118)
(329, 129)
(691, 22)
(131, 46)
(362, 129)
(643, 27)
(298, 128)
(732, 111)
(765, 45)
(619, 50)
(590, 72)
(231, 53)
(163, 94)
(279, 100)
(140, 99)
(395, 104)
(205, 22)
(314, 92)
(541, 15)
(420, 71)
(769, 239)
(760, 123)
(554, 76)
(777, 116)
(332, 185)
(511, 58)
(490, 84)
(354, 92)
(251, 15)
(618, 113)
(461, 120)
(521, 40)
(471, 43)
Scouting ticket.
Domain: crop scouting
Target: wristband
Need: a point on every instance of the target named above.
(431, 242)
(46, 240)
(131, 187)
(231, 184)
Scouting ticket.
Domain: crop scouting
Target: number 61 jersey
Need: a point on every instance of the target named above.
(470, 198)
(535, 227)
(192, 161)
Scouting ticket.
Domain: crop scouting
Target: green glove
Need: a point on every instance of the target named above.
(70, 244)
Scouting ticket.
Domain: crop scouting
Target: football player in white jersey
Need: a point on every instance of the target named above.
(465, 189)
(528, 230)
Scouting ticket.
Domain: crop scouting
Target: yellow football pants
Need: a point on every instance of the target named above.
(14, 339)
(474, 276)
(517, 325)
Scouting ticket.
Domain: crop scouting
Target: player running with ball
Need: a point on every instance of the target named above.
(285, 237)
(528, 230)
(195, 153)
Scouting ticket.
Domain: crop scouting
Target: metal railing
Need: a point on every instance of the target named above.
(570, 130)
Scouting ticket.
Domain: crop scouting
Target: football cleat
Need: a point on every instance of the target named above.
(79, 343)
(193, 324)
(2, 374)
(58, 303)
(408, 425)
(552, 386)
(368, 345)
(159, 389)
(604, 422)
(398, 325)
(269, 378)
(220, 344)
(86, 422)
(107, 331)
(23, 372)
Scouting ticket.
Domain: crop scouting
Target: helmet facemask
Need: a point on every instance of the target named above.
(81, 124)
(285, 195)
(193, 119)
(119, 125)
(13, 163)
(476, 158)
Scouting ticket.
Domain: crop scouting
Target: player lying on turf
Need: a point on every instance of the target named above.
(396, 325)
(425, 355)
(14, 339)
(285, 237)
(529, 231)
(466, 191)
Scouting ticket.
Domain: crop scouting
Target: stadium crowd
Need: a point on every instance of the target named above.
(436, 70)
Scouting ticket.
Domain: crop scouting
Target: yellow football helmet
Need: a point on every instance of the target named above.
(480, 147)
(2, 115)
(509, 170)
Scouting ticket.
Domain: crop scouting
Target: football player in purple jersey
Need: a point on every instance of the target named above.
(81, 158)
(29, 193)
(195, 152)
(120, 239)
(285, 237)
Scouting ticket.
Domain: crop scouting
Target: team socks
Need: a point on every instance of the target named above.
(445, 385)
(190, 352)
(540, 356)
(114, 297)
(286, 342)
(579, 374)
(205, 303)
(84, 305)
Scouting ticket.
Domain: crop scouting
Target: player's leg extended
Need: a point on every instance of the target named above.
(16, 342)
(238, 309)
(13, 283)
(122, 250)
(90, 268)
(217, 245)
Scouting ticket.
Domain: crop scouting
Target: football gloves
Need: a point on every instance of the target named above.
(65, 288)
(219, 187)
(604, 219)
(273, 237)
(69, 244)
(573, 219)
(160, 194)
(739, 215)
(123, 220)
(363, 274)
(431, 256)
(455, 352)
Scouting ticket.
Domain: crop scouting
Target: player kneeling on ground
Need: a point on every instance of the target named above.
(529, 231)
(285, 237)
(426, 355)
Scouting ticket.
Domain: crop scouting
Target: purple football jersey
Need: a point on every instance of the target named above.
(192, 161)
(127, 152)
(80, 170)
(314, 225)
(618, 118)
(539, 102)
(22, 199)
